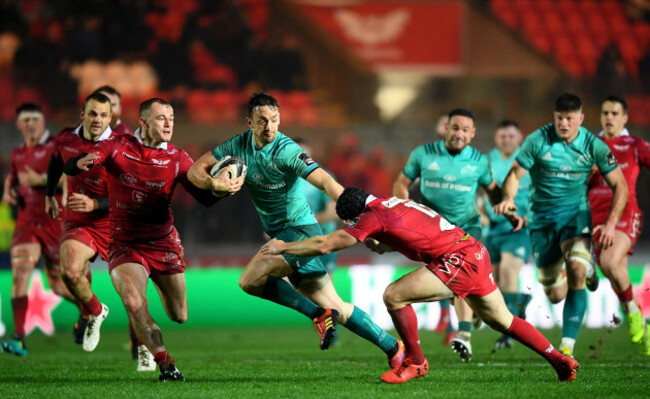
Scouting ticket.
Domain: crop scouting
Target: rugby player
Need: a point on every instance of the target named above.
(275, 163)
(632, 153)
(457, 265)
(559, 157)
(144, 170)
(35, 233)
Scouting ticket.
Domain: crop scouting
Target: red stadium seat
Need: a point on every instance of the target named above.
(639, 110)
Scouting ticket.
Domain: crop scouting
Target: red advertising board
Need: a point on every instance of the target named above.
(395, 35)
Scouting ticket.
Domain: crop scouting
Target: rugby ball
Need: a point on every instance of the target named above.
(232, 165)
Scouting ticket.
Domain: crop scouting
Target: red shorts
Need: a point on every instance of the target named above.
(163, 256)
(97, 239)
(631, 223)
(48, 235)
(466, 272)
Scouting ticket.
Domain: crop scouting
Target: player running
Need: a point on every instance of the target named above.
(508, 250)
(632, 153)
(116, 124)
(559, 157)
(450, 171)
(35, 233)
(143, 172)
(457, 265)
(275, 163)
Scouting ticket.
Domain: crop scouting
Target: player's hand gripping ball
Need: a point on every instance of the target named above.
(232, 165)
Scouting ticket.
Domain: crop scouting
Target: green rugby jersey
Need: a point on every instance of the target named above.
(500, 168)
(318, 202)
(271, 178)
(448, 182)
(559, 172)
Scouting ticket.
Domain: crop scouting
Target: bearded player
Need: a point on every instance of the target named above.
(632, 153)
(144, 170)
(457, 265)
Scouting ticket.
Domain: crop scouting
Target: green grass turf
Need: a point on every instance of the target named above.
(281, 363)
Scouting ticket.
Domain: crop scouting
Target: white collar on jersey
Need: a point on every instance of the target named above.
(370, 198)
(623, 133)
(161, 146)
(44, 137)
(106, 134)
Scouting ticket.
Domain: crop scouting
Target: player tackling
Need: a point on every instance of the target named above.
(457, 265)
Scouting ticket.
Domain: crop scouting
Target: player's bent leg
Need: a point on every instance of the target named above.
(262, 277)
(254, 277)
(75, 258)
(420, 285)
(173, 294)
(554, 280)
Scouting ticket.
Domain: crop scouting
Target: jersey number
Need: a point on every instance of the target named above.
(444, 224)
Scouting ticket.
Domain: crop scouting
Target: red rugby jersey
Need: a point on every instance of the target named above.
(414, 230)
(69, 144)
(142, 181)
(631, 153)
(31, 204)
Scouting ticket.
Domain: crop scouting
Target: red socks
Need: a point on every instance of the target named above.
(93, 307)
(406, 324)
(19, 308)
(625, 295)
(528, 335)
(163, 357)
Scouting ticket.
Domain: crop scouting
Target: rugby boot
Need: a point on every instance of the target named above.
(406, 371)
(326, 327)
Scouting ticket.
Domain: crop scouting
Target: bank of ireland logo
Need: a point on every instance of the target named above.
(257, 176)
(449, 177)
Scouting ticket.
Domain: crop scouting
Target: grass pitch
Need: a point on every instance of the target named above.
(282, 363)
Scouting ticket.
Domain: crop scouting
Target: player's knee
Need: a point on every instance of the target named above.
(390, 297)
(247, 286)
(132, 303)
(179, 317)
(71, 275)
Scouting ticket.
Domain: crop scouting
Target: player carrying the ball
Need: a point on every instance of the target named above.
(275, 163)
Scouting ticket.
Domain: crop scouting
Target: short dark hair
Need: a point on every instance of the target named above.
(97, 96)
(568, 102)
(110, 90)
(462, 112)
(351, 203)
(27, 107)
(260, 99)
(616, 99)
(507, 123)
(146, 104)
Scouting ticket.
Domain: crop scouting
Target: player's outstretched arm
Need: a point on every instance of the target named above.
(509, 189)
(401, 186)
(616, 181)
(326, 183)
(313, 246)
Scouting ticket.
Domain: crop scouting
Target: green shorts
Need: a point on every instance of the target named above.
(517, 243)
(474, 230)
(547, 240)
(304, 267)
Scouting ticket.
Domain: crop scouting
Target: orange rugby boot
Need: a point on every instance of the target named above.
(326, 326)
(406, 371)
